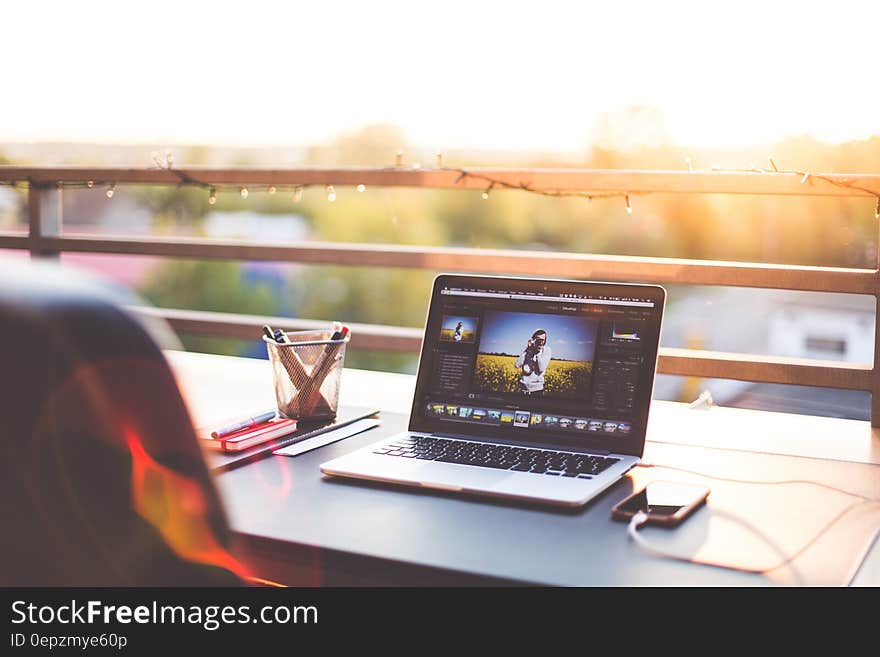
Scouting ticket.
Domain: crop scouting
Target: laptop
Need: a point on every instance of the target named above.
(531, 389)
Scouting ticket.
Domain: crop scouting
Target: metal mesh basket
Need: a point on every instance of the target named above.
(307, 372)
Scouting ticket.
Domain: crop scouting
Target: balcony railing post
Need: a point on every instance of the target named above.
(45, 213)
(875, 374)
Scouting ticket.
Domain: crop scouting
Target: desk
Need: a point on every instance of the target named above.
(303, 528)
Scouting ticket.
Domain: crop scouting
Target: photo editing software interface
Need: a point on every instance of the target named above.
(572, 364)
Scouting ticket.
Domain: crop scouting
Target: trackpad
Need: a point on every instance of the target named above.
(461, 476)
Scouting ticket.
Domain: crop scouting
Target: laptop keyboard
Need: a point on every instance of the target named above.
(499, 457)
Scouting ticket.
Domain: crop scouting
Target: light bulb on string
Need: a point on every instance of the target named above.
(877, 209)
(629, 207)
(212, 197)
(111, 190)
(90, 183)
(244, 192)
(331, 193)
(272, 189)
(486, 192)
(297, 194)
(361, 187)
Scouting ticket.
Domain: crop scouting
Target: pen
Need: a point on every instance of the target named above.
(244, 424)
(277, 335)
(322, 369)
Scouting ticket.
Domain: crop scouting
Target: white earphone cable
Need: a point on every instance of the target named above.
(640, 518)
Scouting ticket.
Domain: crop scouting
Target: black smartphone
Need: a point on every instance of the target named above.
(666, 503)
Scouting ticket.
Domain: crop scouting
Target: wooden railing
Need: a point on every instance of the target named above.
(46, 238)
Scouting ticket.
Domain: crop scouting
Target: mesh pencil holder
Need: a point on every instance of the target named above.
(307, 371)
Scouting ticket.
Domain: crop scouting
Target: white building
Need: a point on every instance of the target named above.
(823, 326)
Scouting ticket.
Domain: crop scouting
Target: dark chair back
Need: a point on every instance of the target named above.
(104, 481)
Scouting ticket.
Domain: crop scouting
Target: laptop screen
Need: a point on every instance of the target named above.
(552, 362)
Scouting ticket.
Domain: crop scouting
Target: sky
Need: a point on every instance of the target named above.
(509, 75)
(467, 323)
(570, 338)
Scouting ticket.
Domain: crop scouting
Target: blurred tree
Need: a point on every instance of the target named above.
(633, 128)
(395, 297)
(373, 145)
(174, 207)
(797, 230)
(203, 285)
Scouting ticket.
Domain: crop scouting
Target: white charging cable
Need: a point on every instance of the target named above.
(640, 518)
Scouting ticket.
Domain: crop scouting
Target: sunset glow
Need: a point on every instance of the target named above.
(497, 75)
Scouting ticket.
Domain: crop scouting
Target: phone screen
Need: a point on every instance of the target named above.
(663, 499)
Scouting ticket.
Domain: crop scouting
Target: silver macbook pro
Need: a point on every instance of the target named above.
(527, 388)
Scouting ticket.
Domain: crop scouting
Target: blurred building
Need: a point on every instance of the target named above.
(825, 326)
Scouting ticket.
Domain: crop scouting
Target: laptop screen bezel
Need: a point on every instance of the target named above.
(633, 444)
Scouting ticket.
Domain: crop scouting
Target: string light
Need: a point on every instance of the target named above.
(169, 159)
(398, 159)
(187, 180)
(806, 175)
(462, 174)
